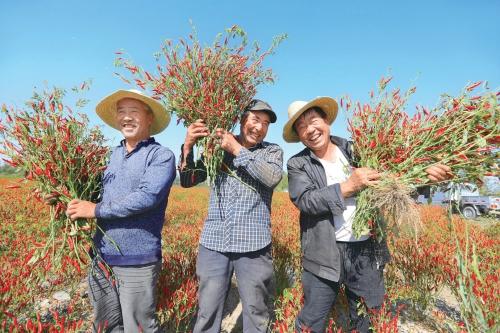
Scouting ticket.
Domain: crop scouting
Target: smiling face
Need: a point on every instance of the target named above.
(134, 119)
(313, 130)
(254, 128)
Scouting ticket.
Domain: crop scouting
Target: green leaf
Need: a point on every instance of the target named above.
(465, 137)
(481, 142)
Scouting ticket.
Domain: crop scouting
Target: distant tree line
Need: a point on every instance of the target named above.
(7, 170)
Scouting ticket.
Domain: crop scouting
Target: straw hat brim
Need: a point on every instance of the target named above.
(327, 104)
(106, 109)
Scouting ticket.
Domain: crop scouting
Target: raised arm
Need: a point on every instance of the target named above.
(191, 172)
(265, 167)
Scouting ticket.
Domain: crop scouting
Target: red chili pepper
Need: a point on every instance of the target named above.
(103, 268)
(132, 69)
(141, 84)
(422, 159)
(494, 140)
(38, 171)
(474, 85)
(440, 131)
(432, 148)
(380, 137)
(9, 162)
(76, 265)
(71, 243)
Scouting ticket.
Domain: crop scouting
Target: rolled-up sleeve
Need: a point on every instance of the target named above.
(264, 166)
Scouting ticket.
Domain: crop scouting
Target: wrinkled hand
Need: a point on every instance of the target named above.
(228, 141)
(80, 209)
(359, 179)
(439, 173)
(195, 131)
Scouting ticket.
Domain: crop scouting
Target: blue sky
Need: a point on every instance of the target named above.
(333, 48)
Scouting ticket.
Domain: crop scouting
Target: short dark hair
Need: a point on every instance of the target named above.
(318, 110)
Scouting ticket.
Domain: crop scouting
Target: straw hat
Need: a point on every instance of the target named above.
(327, 104)
(106, 109)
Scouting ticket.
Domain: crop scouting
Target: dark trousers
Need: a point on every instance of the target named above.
(254, 271)
(128, 306)
(362, 278)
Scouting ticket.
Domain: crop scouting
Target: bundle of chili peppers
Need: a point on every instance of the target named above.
(461, 132)
(62, 158)
(213, 83)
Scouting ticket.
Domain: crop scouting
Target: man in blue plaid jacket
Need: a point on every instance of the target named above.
(237, 232)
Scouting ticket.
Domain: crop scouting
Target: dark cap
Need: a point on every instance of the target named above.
(258, 105)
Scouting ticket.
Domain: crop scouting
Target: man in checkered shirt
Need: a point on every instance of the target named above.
(237, 233)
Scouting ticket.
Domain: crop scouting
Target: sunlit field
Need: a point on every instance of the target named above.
(427, 288)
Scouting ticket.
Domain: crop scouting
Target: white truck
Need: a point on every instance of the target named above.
(466, 199)
(473, 206)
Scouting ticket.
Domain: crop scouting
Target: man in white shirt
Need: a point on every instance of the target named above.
(322, 184)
